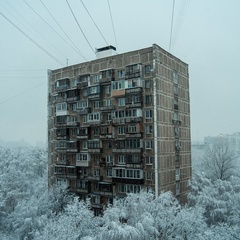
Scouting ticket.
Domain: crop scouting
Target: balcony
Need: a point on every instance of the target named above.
(134, 105)
(134, 90)
(72, 99)
(62, 113)
(135, 74)
(177, 177)
(176, 121)
(133, 135)
(62, 88)
(94, 95)
(118, 93)
(94, 178)
(126, 150)
(82, 111)
(107, 108)
(127, 180)
(133, 119)
(83, 163)
(72, 124)
(118, 120)
(82, 85)
(106, 136)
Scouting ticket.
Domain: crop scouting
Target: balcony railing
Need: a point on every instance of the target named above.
(82, 163)
(132, 74)
(62, 88)
(126, 150)
(133, 90)
(107, 108)
(127, 180)
(83, 111)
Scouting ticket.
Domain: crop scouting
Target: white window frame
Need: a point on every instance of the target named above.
(148, 144)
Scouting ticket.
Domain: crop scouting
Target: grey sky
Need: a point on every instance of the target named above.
(206, 35)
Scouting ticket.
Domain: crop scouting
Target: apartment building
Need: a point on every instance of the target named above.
(119, 124)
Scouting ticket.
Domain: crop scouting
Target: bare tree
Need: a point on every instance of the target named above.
(219, 161)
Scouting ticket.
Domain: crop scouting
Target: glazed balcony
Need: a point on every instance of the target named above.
(107, 108)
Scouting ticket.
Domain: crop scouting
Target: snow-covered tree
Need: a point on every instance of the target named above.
(219, 161)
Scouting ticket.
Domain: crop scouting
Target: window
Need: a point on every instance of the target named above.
(148, 144)
(107, 103)
(121, 130)
(148, 83)
(96, 131)
(85, 145)
(149, 175)
(148, 114)
(127, 188)
(121, 159)
(109, 117)
(175, 115)
(82, 104)
(94, 117)
(95, 78)
(108, 89)
(133, 98)
(121, 74)
(132, 129)
(175, 77)
(148, 68)
(148, 99)
(132, 143)
(61, 107)
(128, 173)
(121, 102)
(96, 104)
(149, 129)
(175, 89)
(97, 172)
(109, 144)
(117, 85)
(109, 172)
(85, 118)
(149, 160)
(93, 144)
(94, 90)
(177, 157)
(82, 157)
(109, 159)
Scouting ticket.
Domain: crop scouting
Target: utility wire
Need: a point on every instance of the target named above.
(112, 24)
(19, 94)
(76, 49)
(94, 22)
(180, 21)
(79, 26)
(170, 41)
(52, 28)
(31, 26)
(32, 40)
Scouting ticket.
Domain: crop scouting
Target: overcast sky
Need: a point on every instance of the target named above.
(206, 35)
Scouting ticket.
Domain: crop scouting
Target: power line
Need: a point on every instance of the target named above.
(76, 49)
(79, 26)
(19, 94)
(180, 21)
(32, 40)
(50, 27)
(94, 22)
(112, 24)
(31, 26)
(170, 41)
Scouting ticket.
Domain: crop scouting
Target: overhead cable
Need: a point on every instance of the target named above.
(51, 27)
(112, 24)
(94, 22)
(170, 41)
(75, 47)
(19, 94)
(33, 41)
(30, 27)
(79, 26)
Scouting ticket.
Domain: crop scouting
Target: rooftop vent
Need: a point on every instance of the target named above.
(105, 51)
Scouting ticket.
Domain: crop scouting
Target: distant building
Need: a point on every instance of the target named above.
(232, 139)
(119, 124)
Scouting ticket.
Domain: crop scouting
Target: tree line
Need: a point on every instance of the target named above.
(29, 210)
